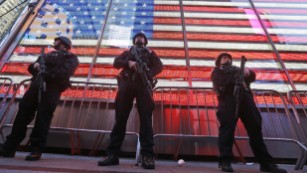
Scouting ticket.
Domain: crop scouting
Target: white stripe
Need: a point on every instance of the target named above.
(245, 46)
(261, 64)
(162, 2)
(198, 28)
(88, 60)
(167, 28)
(206, 3)
(229, 16)
(237, 30)
(281, 5)
(191, 44)
(162, 82)
(245, 4)
(267, 86)
(250, 64)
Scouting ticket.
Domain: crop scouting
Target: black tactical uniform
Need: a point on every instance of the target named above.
(60, 66)
(130, 86)
(223, 78)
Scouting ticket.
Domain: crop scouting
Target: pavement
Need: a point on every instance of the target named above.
(60, 163)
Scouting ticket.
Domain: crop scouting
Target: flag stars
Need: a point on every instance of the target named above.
(126, 5)
(144, 5)
(133, 17)
(78, 31)
(143, 13)
(124, 13)
(142, 22)
(115, 9)
(122, 22)
(71, 5)
(96, 8)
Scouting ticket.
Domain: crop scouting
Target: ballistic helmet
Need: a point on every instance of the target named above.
(66, 41)
(140, 34)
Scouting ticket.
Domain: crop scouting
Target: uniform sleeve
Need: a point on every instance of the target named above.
(251, 78)
(156, 66)
(121, 61)
(31, 68)
(64, 70)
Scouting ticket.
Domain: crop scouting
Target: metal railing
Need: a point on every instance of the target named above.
(190, 113)
(181, 113)
(6, 87)
(77, 112)
(298, 102)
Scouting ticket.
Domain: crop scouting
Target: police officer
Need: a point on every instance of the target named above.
(60, 66)
(223, 77)
(130, 86)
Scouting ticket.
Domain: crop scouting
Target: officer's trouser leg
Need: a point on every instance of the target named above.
(43, 119)
(25, 114)
(227, 127)
(252, 121)
(123, 106)
(145, 107)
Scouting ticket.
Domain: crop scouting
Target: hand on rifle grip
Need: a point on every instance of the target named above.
(132, 65)
(36, 66)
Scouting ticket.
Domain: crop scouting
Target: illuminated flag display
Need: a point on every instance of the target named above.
(211, 27)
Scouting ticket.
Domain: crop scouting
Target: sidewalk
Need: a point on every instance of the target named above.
(53, 163)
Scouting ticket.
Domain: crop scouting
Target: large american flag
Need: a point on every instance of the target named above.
(212, 27)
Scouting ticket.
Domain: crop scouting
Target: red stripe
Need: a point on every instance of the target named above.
(167, 20)
(168, 72)
(261, 10)
(176, 53)
(245, 38)
(98, 70)
(225, 22)
(90, 51)
(209, 54)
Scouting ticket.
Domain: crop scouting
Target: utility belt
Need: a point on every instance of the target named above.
(127, 75)
(133, 77)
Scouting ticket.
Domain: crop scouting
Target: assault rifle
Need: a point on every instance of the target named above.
(41, 75)
(142, 70)
(239, 85)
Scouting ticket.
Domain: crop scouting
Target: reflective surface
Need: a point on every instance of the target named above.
(102, 29)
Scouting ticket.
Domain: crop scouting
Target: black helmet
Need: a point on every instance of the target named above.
(140, 34)
(65, 41)
(218, 59)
